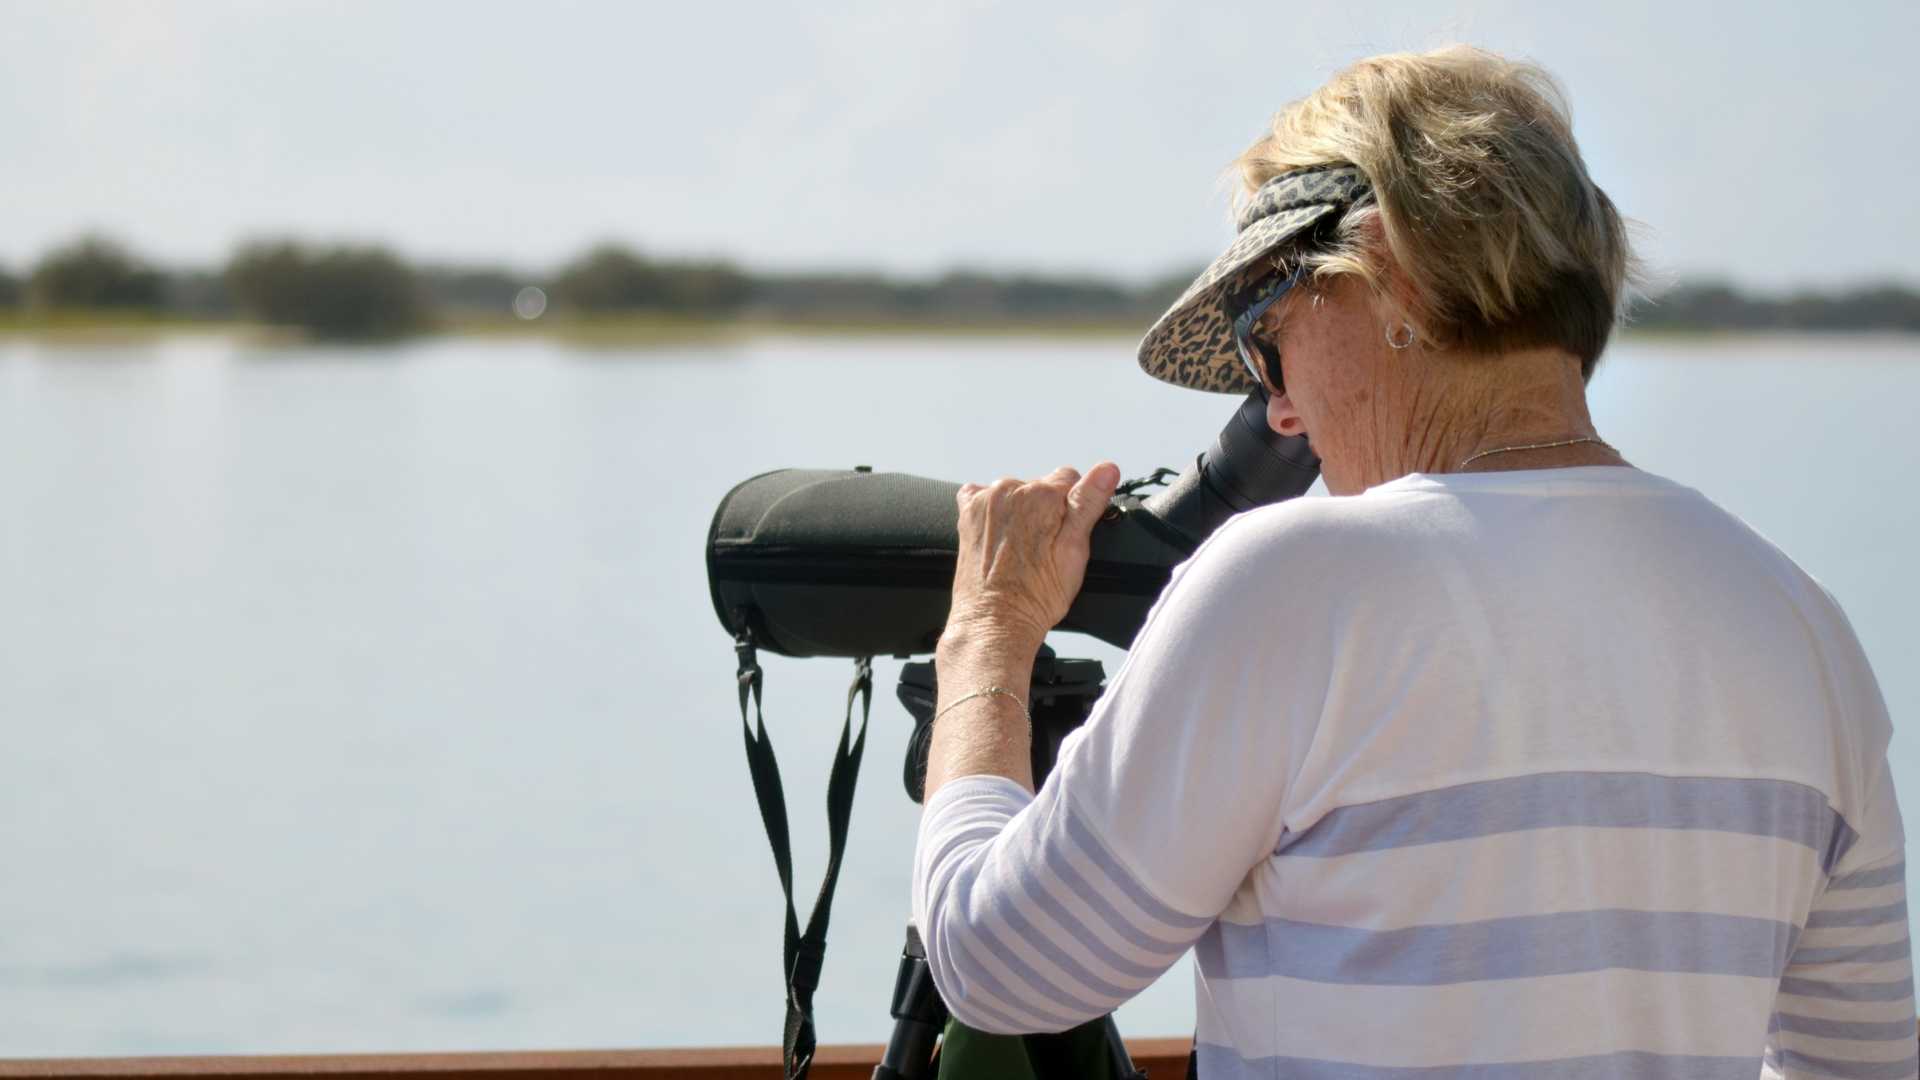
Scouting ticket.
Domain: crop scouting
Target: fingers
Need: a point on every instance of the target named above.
(1089, 496)
(1060, 479)
(1063, 480)
(1024, 546)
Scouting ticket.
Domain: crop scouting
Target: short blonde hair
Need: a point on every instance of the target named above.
(1479, 193)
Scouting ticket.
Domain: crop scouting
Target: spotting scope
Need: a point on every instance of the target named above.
(851, 562)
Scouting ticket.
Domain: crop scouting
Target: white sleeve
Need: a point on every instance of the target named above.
(1042, 912)
(1846, 1005)
(1846, 1000)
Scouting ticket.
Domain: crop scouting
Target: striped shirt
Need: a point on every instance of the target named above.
(1558, 773)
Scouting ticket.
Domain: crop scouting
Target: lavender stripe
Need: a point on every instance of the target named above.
(1509, 948)
(1854, 954)
(1898, 990)
(1221, 1063)
(1042, 943)
(1877, 1031)
(1016, 960)
(1776, 808)
(1852, 1070)
(1869, 916)
(1870, 879)
(975, 1005)
(1091, 846)
(978, 973)
(974, 1009)
(1043, 897)
(1111, 917)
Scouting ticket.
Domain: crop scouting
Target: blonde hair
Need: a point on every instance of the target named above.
(1479, 193)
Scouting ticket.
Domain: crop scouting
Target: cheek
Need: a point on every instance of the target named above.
(1325, 378)
(1330, 380)
(1306, 386)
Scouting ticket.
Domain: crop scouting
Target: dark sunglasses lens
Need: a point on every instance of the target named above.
(1249, 359)
(1270, 359)
(1259, 356)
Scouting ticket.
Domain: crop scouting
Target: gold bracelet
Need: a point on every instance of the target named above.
(988, 691)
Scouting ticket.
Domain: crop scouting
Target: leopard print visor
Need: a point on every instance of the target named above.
(1192, 344)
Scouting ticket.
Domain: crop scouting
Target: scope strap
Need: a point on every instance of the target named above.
(805, 951)
(1158, 478)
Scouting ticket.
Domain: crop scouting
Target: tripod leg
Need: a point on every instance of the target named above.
(1122, 1062)
(918, 1016)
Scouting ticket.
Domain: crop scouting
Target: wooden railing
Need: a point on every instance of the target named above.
(1164, 1059)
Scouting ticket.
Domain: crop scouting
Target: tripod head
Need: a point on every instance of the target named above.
(1061, 699)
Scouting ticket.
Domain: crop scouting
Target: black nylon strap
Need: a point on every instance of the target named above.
(803, 952)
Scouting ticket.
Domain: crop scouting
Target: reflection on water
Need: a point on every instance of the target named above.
(372, 700)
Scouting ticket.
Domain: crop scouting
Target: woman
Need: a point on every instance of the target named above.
(1508, 760)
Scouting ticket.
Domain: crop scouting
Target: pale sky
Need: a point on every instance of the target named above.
(1770, 143)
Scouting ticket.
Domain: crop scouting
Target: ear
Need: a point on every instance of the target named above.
(1281, 416)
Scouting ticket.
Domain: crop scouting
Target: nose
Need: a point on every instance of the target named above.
(1282, 417)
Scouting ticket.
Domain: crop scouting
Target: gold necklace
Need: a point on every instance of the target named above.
(1533, 446)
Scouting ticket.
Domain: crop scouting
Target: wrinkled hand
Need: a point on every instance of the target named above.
(1023, 551)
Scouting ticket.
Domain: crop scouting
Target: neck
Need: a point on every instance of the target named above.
(1435, 412)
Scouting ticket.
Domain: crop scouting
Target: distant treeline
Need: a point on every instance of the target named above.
(359, 291)
(1718, 306)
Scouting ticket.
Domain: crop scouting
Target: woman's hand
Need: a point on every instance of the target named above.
(1023, 552)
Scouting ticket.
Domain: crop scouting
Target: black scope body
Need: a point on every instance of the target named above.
(831, 562)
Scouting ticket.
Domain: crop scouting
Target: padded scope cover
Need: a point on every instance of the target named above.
(828, 562)
(822, 562)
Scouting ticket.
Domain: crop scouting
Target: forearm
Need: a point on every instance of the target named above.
(1004, 879)
(988, 734)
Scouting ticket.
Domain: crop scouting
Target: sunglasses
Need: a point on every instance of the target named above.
(1244, 309)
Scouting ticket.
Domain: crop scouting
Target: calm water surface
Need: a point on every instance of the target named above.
(372, 700)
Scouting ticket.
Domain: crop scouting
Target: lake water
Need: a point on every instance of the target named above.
(373, 700)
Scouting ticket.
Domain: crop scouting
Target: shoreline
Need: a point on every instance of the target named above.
(634, 330)
(95, 328)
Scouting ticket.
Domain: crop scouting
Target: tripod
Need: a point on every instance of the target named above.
(1062, 695)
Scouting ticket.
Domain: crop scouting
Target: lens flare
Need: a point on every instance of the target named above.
(530, 303)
